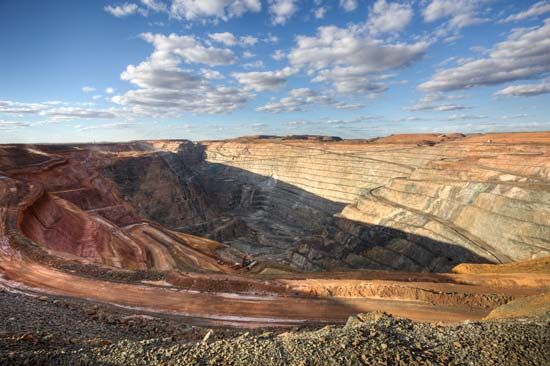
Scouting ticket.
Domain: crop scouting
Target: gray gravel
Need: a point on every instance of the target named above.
(52, 331)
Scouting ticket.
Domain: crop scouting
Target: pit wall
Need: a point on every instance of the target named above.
(492, 200)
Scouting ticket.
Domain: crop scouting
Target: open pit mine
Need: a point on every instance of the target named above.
(302, 250)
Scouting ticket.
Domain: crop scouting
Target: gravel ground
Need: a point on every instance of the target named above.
(58, 331)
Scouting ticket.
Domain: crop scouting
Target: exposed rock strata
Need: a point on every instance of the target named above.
(394, 203)
(490, 199)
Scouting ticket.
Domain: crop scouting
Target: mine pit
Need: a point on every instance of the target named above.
(274, 232)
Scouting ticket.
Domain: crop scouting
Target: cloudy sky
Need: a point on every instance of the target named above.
(94, 70)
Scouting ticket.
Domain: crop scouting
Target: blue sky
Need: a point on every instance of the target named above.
(74, 71)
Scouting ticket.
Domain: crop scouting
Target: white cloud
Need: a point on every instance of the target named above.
(226, 38)
(248, 40)
(282, 10)
(211, 74)
(271, 38)
(12, 125)
(299, 99)
(229, 39)
(121, 10)
(19, 108)
(259, 64)
(320, 12)
(460, 13)
(351, 79)
(73, 112)
(389, 17)
(437, 102)
(264, 80)
(166, 89)
(525, 54)
(88, 89)
(527, 90)
(348, 5)
(465, 117)
(436, 108)
(350, 60)
(155, 5)
(110, 90)
(218, 9)
(354, 120)
(278, 55)
(540, 8)
(167, 48)
(117, 126)
(515, 116)
(55, 110)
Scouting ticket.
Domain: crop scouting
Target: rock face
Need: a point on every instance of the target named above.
(74, 212)
(399, 202)
(410, 202)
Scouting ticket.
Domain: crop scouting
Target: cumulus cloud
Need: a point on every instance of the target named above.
(540, 8)
(389, 17)
(299, 99)
(155, 5)
(109, 90)
(226, 38)
(211, 74)
(248, 40)
(88, 89)
(165, 88)
(271, 38)
(320, 12)
(218, 9)
(259, 64)
(348, 5)
(351, 80)
(460, 13)
(264, 80)
(278, 55)
(527, 90)
(121, 10)
(248, 54)
(282, 10)
(525, 54)
(350, 60)
(188, 48)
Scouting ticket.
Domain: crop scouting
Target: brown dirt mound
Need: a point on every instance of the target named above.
(541, 265)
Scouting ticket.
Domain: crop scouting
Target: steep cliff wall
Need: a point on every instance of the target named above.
(487, 198)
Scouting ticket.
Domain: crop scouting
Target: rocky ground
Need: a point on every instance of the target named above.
(59, 331)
